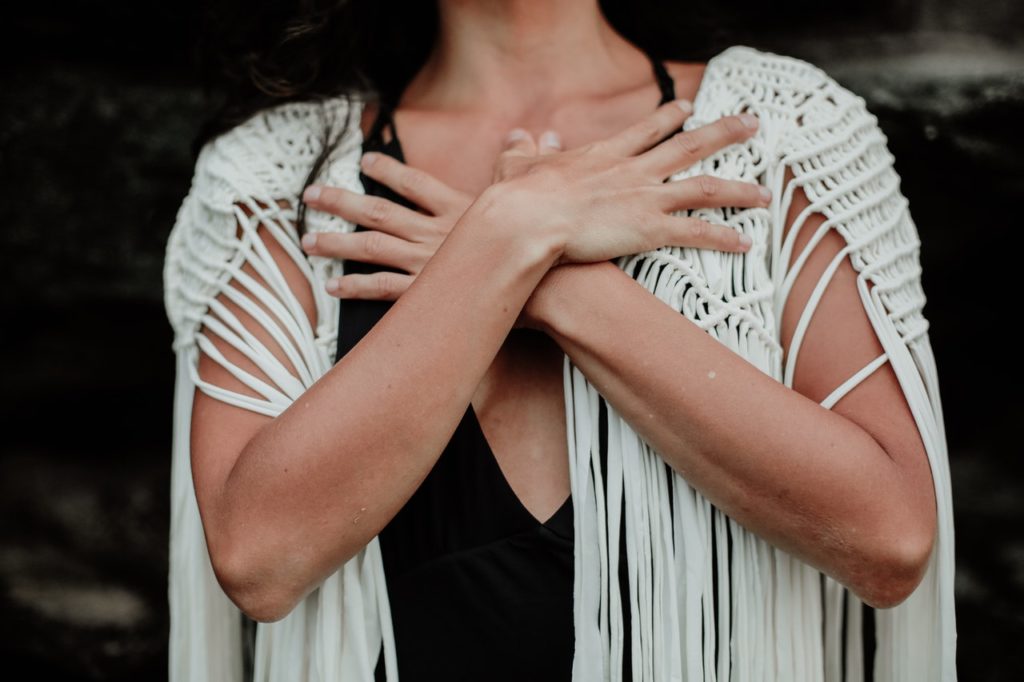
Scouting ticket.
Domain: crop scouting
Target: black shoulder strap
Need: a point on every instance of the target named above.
(665, 82)
(380, 120)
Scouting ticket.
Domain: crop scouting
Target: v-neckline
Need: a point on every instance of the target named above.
(552, 522)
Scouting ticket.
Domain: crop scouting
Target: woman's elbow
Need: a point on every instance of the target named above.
(258, 591)
(266, 579)
(896, 568)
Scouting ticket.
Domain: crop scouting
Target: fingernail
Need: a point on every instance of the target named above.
(766, 194)
(369, 158)
(686, 105)
(746, 241)
(749, 120)
(308, 240)
(551, 139)
(515, 135)
(332, 285)
(312, 193)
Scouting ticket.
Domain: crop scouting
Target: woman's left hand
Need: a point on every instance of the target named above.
(396, 236)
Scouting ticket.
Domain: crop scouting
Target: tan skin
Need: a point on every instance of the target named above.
(507, 261)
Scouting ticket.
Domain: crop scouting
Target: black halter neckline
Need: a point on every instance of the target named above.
(384, 117)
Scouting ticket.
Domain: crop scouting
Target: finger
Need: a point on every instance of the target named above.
(706, 191)
(369, 246)
(418, 186)
(370, 211)
(650, 130)
(377, 286)
(519, 142)
(518, 149)
(549, 143)
(701, 234)
(684, 149)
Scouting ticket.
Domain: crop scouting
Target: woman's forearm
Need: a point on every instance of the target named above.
(313, 486)
(805, 478)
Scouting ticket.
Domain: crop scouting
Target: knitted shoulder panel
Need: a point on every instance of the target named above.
(826, 136)
(251, 177)
(840, 158)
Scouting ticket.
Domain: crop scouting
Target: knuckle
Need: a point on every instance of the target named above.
(378, 211)
(699, 229)
(434, 227)
(384, 284)
(647, 131)
(708, 185)
(687, 142)
(373, 245)
(419, 258)
(626, 174)
(439, 227)
(658, 229)
(411, 181)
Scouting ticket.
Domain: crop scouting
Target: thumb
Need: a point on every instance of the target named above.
(519, 142)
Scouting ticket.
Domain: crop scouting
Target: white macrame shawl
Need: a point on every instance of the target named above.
(708, 600)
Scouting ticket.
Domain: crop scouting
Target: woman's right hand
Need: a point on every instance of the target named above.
(609, 198)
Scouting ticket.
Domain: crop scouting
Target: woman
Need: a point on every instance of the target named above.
(528, 465)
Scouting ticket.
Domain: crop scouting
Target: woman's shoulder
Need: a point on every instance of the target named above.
(802, 107)
(751, 66)
(824, 134)
(794, 91)
(253, 175)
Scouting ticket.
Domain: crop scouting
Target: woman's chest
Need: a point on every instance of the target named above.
(461, 148)
(519, 403)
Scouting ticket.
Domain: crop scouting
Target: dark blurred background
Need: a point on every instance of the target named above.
(100, 101)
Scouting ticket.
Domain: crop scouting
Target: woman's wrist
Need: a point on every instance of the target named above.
(539, 310)
(559, 293)
(505, 212)
(497, 261)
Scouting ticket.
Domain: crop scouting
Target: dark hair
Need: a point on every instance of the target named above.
(257, 55)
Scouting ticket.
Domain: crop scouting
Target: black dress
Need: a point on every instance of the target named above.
(479, 588)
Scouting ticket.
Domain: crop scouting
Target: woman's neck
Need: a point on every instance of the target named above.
(523, 55)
